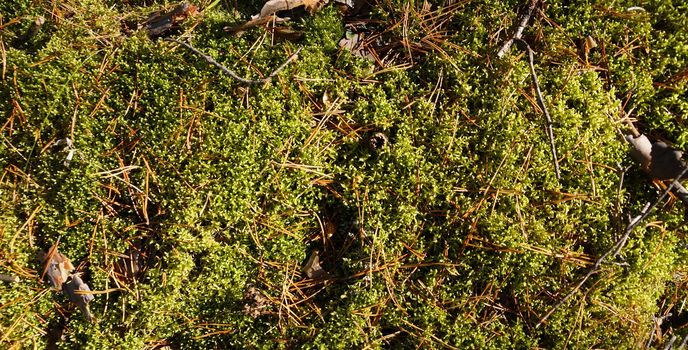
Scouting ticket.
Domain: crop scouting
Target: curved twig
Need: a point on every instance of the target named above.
(231, 73)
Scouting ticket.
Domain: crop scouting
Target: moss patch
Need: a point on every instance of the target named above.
(456, 233)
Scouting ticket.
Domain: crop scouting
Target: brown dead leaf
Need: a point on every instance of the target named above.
(57, 267)
(60, 272)
(270, 9)
(312, 268)
(159, 23)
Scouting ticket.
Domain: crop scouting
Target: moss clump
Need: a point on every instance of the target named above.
(455, 233)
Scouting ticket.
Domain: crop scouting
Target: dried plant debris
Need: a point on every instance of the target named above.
(9, 278)
(313, 269)
(585, 46)
(30, 33)
(659, 160)
(57, 267)
(391, 44)
(160, 24)
(79, 294)
(271, 11)
(347, 3)
(255, 302)
(354, 43)
(274, 6)
(61, 276)
(354, 9)
(130, 267)
(377, 141)
(68, 147)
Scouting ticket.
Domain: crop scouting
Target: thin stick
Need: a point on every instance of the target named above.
(31, 32)
(541, 102)
(683, 343)
(519, 31)
(232, 74)
(670, 344)
(682, 193)
(615, 249)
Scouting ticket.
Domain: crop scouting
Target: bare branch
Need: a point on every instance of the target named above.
(541, 102)
(615, 249)
(231, 73)
(519, 30)
(670, 344)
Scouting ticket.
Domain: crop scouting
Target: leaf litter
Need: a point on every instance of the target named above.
(61, 276)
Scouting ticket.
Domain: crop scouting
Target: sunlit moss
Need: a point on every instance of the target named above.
(456, 232)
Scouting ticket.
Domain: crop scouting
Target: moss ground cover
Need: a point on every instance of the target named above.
(455, 234)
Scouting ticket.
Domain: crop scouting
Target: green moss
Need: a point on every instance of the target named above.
(456, 232)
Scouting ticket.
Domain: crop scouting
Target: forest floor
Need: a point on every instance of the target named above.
(392, 185)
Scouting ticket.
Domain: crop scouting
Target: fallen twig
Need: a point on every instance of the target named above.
(31, 32)
(519, 30)
(683, 343)
(670, 343)
(232, 74)
(541, 102)
(615, 249)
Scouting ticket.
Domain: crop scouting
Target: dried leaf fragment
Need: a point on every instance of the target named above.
(58, 267)
(354, 42)
(312, 268)
(271, 8)
(79, 293)
(67, 146)
(659, 160)
(59, 270)
(9, 278)
(377, 141)
(256, 303)
(159, 23)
